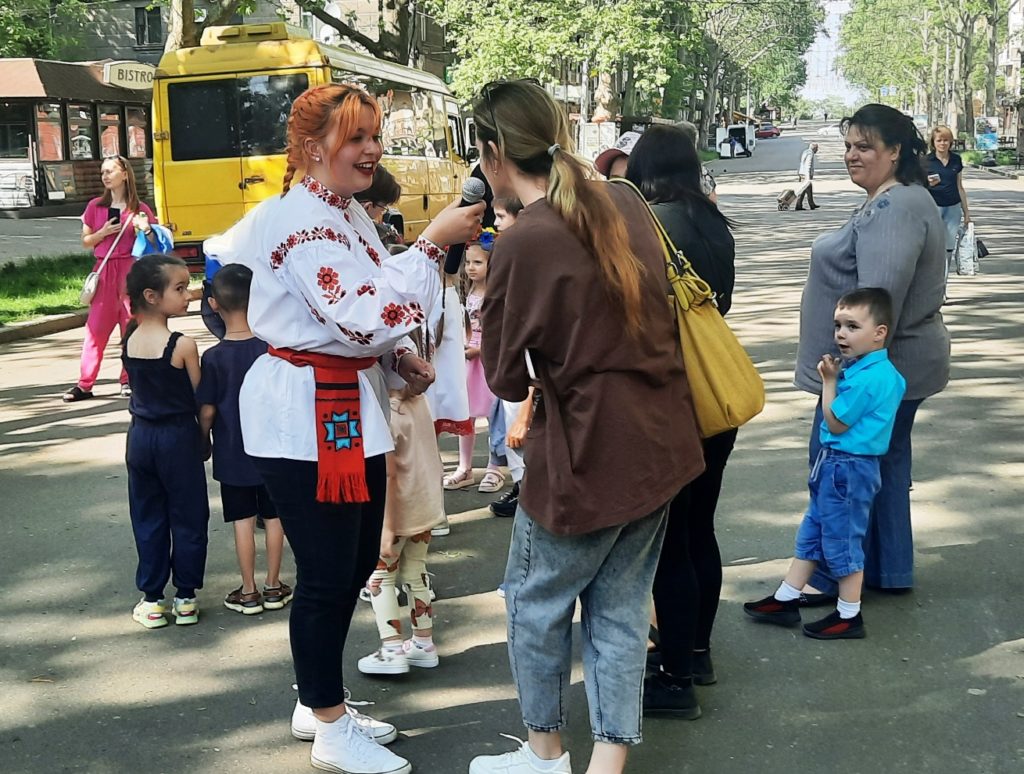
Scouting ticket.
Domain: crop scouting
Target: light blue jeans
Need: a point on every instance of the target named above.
(611, 572)
(951, 217)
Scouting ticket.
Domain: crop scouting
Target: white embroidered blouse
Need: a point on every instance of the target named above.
(319, 284)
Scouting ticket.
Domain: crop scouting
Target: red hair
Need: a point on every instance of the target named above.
(318, 110)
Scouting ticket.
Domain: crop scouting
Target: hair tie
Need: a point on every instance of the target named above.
(553, 148)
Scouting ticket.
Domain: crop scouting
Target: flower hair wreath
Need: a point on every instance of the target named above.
(486, 238)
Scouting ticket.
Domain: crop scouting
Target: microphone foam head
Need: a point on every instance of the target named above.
(473, 190)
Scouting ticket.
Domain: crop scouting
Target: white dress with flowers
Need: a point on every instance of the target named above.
(320, 285)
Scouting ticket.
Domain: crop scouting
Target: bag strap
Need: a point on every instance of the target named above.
(688, 288)
(120, 234)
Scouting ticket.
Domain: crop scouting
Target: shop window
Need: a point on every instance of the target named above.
(137, 132)
(14, 131)
(148, 27)
(51, 138)
(81, 131)
(110, 131)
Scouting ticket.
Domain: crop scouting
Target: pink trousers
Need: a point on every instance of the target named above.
(109, 310)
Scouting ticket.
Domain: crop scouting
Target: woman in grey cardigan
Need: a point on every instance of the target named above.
(895, 240)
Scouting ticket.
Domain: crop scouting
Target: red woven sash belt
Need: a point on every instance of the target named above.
(341, 466)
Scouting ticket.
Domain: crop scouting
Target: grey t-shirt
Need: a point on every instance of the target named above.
(896, 242)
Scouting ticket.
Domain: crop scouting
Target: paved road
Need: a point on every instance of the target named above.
(20, 239)
(937, 687)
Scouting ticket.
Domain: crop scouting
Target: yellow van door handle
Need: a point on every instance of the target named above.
(247, 181)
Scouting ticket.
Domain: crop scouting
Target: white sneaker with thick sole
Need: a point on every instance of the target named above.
(418, 656)
(186, 611)
(384, 662)
(150, 614)
(520, 761)
(340, 747)
(304, 725)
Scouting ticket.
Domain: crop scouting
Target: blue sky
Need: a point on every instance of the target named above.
(822, 78)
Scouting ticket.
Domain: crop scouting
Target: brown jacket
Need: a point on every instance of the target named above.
(615, 436)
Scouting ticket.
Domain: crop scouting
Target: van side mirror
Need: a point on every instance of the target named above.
(472, 154)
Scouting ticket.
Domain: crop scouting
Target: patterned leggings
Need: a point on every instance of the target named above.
(409, 570)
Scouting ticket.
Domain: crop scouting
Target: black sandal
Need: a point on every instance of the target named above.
(75, 394)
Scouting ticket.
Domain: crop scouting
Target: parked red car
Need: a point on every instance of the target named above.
(767, 130)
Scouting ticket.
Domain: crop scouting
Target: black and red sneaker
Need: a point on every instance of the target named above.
(832, 627)
(771, 610)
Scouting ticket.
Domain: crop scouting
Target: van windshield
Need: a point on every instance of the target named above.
(231, 117)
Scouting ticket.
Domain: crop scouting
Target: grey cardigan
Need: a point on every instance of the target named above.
(896, 242)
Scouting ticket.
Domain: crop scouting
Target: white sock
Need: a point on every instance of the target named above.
(847, 609)
(787, 593)
(422, 642)
(392, 647)
(540, 763)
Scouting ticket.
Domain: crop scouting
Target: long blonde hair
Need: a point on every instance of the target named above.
(531, 130)
(315, 112)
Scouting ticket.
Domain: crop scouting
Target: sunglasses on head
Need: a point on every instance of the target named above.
(488, 91)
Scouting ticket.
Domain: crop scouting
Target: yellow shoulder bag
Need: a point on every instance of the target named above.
(727, 389)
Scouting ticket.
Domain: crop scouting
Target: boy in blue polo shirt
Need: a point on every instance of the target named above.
(859, 403)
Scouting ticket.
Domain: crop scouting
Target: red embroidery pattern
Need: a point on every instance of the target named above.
(374, 255)
(319, 233)
(415, 313)
(357, 337)
(432, 251)
(367, 288)
(397, 355)
(324, 194)
(327, 278)
(319, 317)
(393, 315)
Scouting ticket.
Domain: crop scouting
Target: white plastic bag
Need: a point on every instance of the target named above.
(966, 252)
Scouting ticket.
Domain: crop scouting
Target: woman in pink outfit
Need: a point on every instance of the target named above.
(110, 219)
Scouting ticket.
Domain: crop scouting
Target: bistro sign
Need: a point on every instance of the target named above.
(129, 75)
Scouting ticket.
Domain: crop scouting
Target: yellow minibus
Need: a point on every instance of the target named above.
(220, 113)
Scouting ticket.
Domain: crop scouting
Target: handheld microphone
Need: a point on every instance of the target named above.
(473, 191)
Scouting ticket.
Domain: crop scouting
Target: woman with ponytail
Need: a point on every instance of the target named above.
(313, 409)
(895, 240)
(576, 299)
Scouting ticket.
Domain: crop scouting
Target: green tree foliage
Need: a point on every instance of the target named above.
(27, 26)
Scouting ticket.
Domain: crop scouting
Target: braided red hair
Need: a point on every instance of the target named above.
(318, 110)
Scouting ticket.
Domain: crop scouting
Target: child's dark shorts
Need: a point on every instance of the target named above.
(843, 487)
(243, 502)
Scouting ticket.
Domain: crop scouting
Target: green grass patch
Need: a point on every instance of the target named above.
(42, 286)
(707, 155)
(1003, 157)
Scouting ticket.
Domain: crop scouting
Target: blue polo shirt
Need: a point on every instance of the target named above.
(947, 192)
(868, 393)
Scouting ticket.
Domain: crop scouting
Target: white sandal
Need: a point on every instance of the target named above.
(458, 479)
(493, 481)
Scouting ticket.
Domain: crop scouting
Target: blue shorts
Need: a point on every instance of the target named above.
(843, 487)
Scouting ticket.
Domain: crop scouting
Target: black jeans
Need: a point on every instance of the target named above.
(336, 548)
(688, 583)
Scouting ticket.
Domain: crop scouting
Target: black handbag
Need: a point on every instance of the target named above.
(982, 250)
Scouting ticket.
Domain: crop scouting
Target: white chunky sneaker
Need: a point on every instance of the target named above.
(418, 656)
(150, 614)
(304, 724)
(341, 748)
(385, 661)
(521, 761)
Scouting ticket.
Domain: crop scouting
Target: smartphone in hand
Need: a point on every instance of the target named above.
(113, 213)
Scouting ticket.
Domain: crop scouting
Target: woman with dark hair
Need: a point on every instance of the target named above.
(665, 167)
(577, 289)
(895, 240)
(383, 192)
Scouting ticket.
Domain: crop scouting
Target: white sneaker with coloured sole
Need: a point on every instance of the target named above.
(418, 656)
(520, 761)
(304, 725)
(384, 662)
(186, 611)
(340, 747)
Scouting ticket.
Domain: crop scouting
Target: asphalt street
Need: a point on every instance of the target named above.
(937, 686)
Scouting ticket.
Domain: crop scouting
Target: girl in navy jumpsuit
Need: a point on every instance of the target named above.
(167, 496)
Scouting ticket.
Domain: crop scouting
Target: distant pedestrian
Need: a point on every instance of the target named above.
(167, 497)
(688, 584)
(109, 226)
(243, 495)
(894, 240)
(861, 392)
(946, 185)
(805, 174)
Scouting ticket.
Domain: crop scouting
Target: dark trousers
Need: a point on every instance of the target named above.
(169, 508)
(809, 193)
(889, 542)
(688, 582)
(336, 548)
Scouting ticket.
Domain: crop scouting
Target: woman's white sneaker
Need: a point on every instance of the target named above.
(341, 747)
(304, 725)
(521, 761)
(419, 656)
(386, 661)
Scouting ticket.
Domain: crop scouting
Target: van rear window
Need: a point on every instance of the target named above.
(231, 117)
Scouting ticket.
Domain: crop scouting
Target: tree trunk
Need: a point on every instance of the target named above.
(956, 102)
(714, 65)
(965, 73)
(992, 19)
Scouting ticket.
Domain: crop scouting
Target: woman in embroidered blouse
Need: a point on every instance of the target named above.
(323, 297)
